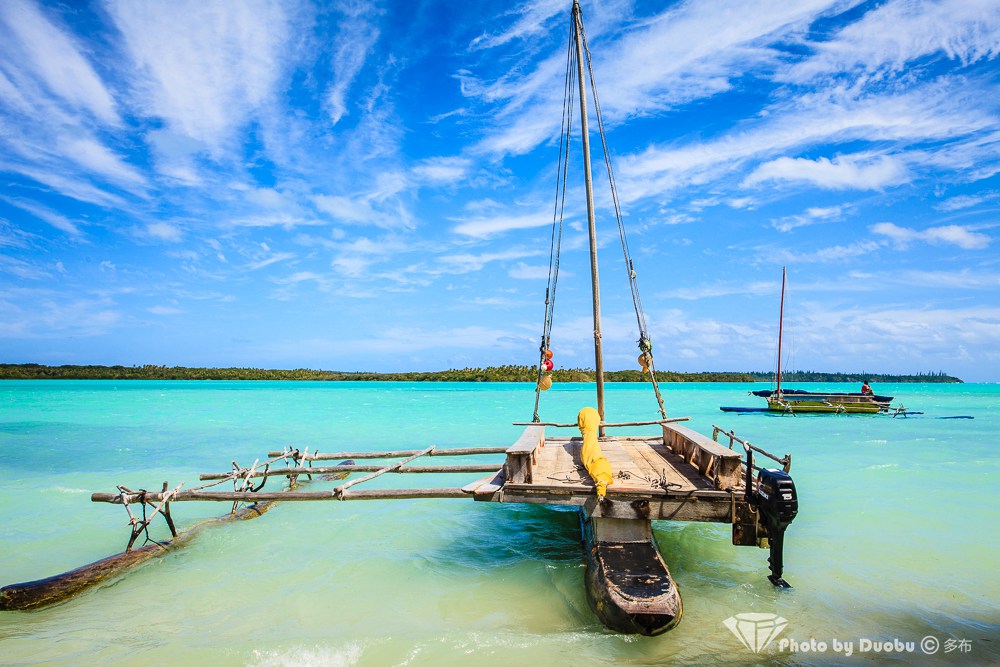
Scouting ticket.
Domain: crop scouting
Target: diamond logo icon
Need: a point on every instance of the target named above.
(755, 630)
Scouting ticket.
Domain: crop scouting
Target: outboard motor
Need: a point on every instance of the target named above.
(777, 504)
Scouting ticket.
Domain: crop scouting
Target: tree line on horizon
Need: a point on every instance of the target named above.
(506, 373)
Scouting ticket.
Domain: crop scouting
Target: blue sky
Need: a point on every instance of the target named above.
(369, 185)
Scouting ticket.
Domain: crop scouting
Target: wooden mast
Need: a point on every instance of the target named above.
(598, 353)
(781, 323)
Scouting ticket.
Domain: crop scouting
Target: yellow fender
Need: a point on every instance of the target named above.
(591, 455)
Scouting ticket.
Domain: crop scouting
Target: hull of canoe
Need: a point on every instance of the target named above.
(629, 587)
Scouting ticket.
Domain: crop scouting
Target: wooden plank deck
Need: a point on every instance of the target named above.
(647, 473)
(639, 465)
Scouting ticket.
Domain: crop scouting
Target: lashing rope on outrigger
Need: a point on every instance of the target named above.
(241, 477)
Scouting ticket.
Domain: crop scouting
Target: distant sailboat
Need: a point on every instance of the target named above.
(784, 400)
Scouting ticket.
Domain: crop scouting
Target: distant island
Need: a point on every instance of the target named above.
(488, 374)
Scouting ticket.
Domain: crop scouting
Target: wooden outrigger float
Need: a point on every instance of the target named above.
(620, 484)
(61, 587)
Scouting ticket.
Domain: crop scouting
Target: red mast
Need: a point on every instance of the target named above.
(781, 322)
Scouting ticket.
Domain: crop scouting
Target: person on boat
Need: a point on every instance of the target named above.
(591, 455)
(866, 389)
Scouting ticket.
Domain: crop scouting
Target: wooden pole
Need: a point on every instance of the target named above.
(320, 470)
(463, 451)
(249, 496)
(669, 420)
(340, 489)
(591, 223)
(785, 461)
(781, 326)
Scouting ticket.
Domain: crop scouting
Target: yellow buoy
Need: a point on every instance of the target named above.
(545, 382)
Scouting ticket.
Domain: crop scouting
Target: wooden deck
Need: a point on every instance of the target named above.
(680, 475)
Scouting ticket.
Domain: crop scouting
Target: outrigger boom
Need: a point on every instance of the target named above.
(678, 475)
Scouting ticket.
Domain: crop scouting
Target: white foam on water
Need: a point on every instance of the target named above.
(309, 656)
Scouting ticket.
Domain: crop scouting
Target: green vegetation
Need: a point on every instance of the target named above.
(488, 374)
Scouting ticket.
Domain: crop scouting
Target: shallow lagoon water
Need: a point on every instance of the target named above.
(895, 540)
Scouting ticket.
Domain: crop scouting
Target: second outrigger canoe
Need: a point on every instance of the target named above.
(793, 401)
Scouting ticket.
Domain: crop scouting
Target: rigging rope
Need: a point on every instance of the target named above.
(644, 342)
(558, 212)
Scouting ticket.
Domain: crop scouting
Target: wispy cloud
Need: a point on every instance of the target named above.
(717, 290)
(355, 36)
(42, 60)
(859, 172)
(955, 235)
(468, 262)
(57, 220)
(205, 69)
(493, 226)
(522, 271)
(898, 32)
(442, 169)
(831, 254)
(55, 315)
(533, 20)
(966, 201)
(963, 279)
(935, 112)
(811, 216)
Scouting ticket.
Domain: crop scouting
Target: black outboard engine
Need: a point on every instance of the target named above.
(777, 504)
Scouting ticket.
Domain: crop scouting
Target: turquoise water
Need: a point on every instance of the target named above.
(896, 538)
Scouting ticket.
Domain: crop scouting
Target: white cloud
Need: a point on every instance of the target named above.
(960, 202)
(945, 235)
(720, 289)
(442, 169)
(347, 209)
(165, 231)
(353, 266)
(837, 253)
(844, 172)
(522, 271)
(916, 332)
(99, 160)
(55, 59)
(355, 37)
(272, 258)
(534, 17)
(947, 112)
(962, 279)
(670, 59)
(487, 227)
(23, 271)
(663, 62)
(898, 32)
(55, 316)
(206, 67)
(165, 310)
(811, 216)
(468, 262)
(57, 220)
